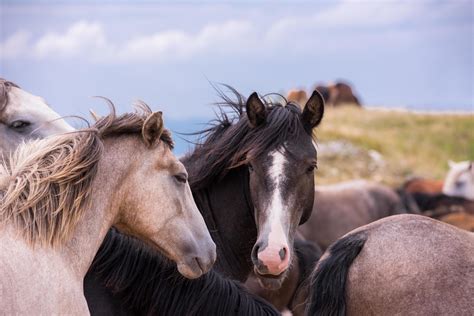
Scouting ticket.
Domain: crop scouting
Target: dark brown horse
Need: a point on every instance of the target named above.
(247, 178)
(342, 207)
(339, 93)
(400, 265)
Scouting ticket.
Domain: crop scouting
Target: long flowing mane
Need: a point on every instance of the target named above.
(5, 87)
(46, 185)
(230, 142)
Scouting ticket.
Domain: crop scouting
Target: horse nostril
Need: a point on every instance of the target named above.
(254, 254)
(282, 253)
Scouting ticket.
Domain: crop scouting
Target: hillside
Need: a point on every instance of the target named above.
(390, 146)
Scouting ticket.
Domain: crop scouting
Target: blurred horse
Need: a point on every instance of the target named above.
(61, 195)
(342, 207)
(459, 181)
(25, 116)
(399, 265)
(298, 96)
(339, 93)
(438, 199)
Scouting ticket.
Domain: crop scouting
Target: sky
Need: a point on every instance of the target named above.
(411, 54)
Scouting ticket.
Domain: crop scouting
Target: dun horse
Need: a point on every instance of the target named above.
(400, 265)
(25, 116)
(248, 177)
(62, 194)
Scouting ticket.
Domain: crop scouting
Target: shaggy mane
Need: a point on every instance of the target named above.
(46, 184)
(230, 142)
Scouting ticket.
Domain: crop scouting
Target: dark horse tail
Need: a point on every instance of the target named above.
(328, 281)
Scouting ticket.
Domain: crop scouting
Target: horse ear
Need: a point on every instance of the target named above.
(313, 111)
(256, 111)
(152, 128)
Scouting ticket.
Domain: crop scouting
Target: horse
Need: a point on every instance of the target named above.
(25, 116)
(339, 93)
(340, 208)
(442, 199)
(293, 292)
(463, 220)
(421, 185)
(144, 283)
(399, 265)
(60, 195)
(459, 181)
(297, 96)
(247, 176)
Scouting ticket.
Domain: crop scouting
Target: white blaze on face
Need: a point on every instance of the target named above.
(277, 220)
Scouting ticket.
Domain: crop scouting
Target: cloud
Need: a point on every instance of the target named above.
(88, 40)
(348, 24)
(82, 37)
(15, 46)
(174, 44)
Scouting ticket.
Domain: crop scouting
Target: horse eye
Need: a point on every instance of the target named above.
(459, 184)
(19, 124)
(181, 177)
(250, 167)
(311, 168)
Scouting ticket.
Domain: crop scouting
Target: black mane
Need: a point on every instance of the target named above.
(230, 142)
(148, 284)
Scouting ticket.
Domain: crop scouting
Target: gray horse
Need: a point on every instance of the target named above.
(342, 207)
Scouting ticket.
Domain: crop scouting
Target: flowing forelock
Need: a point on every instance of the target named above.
(230, 142)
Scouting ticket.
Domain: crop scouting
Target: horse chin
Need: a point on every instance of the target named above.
(190, 269)
(269, 281)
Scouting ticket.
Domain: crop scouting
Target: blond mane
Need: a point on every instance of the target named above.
(46, 184)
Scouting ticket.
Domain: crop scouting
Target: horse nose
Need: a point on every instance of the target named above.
(270, 259)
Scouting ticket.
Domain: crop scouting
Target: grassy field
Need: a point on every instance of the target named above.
(389, 146)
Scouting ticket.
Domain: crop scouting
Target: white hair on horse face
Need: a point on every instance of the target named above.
(459, 181)
(28, 107)
(276, 254)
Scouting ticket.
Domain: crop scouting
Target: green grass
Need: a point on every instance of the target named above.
(411, 144)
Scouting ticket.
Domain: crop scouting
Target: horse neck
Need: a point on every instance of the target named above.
(89, 233)
(228, 211)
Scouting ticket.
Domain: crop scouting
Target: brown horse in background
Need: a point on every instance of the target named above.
(298, 96)
(400, 265)
(431, 201)
(339, 93)
(335, 94)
